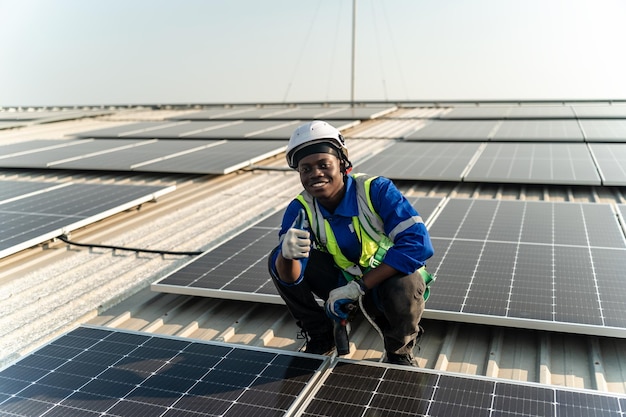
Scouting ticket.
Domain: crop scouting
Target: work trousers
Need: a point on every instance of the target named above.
(396, 305)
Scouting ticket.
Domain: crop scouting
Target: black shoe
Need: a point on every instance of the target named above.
(319, 344)
(395, 359)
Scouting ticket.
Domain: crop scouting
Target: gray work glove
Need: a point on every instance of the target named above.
(296, 242)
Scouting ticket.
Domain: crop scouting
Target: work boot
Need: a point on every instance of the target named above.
(396, 359)
(319, 343)
(406, 359)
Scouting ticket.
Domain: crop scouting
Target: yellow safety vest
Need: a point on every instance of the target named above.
(368, 227)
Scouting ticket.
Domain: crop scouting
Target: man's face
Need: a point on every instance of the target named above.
(321, 176)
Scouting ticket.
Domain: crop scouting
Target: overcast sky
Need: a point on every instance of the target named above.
(92, 52)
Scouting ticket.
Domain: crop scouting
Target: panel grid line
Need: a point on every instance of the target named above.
(482, 250)
(592, 265)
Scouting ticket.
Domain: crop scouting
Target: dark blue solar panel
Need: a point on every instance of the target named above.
(93, 371)
(364, 389)
(529, 264)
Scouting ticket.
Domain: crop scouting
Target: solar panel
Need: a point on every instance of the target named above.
(611, 160)
(221, 158)
(604, 130)
(177, 156)
(237, 269)
(54, 152)
(367, 389)
(469, 130)
(10, 190)
(102, 372)
(46, 210)
(600, 111)
(538, 130)
(537, 163)
(127, 158)
(421, 161)
(33, 146)
(531, 264)
(541, 112)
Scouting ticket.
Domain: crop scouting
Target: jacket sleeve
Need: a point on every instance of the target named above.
(291, 212)
(412, 246)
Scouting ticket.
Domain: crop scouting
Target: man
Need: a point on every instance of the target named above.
(347, 237)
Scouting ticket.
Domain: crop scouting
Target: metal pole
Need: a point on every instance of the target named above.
(353, 52)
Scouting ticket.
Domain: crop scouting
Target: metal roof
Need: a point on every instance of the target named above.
(51, 288)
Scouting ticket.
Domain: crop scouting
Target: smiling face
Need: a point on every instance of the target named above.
(321, 175)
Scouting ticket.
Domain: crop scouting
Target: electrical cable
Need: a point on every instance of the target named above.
(95, 245)
(374, 325)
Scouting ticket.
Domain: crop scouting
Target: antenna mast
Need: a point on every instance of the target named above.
(353, 52)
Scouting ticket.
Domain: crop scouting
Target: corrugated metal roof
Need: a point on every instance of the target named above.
(46, 290)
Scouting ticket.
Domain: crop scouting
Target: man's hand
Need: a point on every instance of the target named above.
(296, 244)
(341, 296)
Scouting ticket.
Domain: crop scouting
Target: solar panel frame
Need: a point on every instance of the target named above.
(98, 371)
(535, 163)
(373, 389)
(551, 276)
(237, 268)
(434, 161)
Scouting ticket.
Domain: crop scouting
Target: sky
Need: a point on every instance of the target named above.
(121, 52)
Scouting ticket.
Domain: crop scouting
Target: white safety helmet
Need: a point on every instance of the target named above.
(315, 132)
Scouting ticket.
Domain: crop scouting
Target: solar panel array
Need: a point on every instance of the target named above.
(238, 129)
(512, 263)
(290, 113)
(143, 155)
(533, 144)
(34, 212)
(526, 111)
(537, 163)
(363, 389)
(522, 130)
(101, 372)
(532, 264)
(237, 269)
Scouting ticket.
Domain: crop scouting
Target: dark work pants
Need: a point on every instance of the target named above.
(396, 304)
